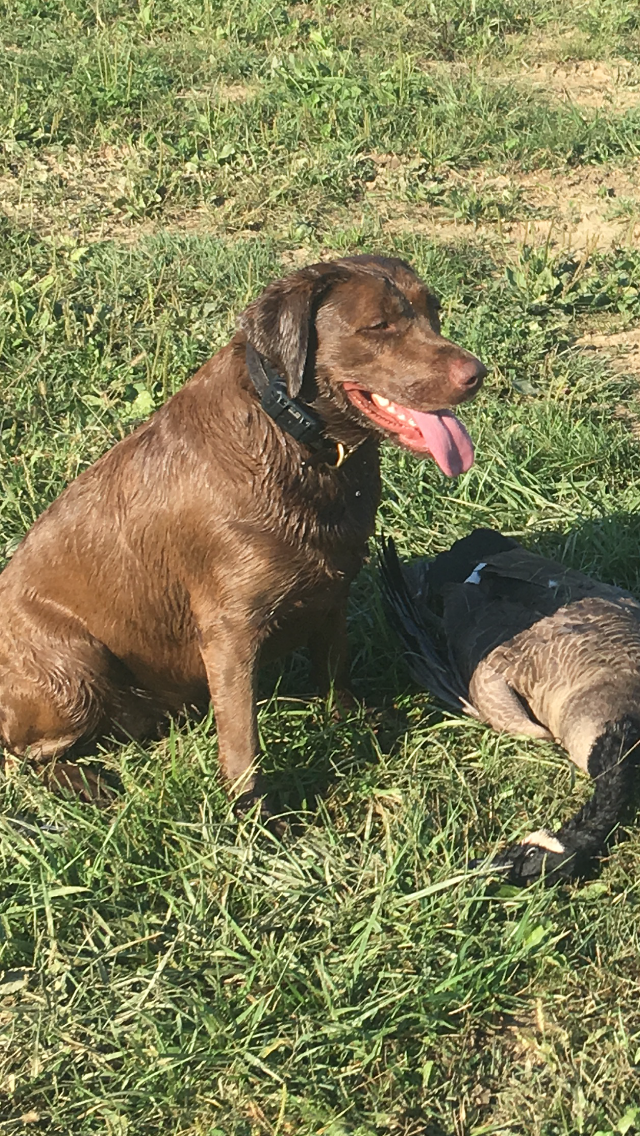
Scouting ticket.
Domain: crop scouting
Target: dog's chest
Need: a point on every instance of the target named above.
(334, 515)
(319, 539)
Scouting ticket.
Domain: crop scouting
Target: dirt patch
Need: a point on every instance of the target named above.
(54, 192)
(591, 84)
(101, 196)
(622, 347)
(596, 207)
(592, 208)
(111, 194)
(622, 350)
(588, 83)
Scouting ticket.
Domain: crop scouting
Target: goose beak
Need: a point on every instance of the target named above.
(523, 864)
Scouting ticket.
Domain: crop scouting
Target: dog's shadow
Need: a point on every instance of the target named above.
(305, 763)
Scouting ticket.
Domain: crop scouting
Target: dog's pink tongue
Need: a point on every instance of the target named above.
(447, 440)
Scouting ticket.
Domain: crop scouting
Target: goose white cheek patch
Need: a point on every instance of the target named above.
(545, 840)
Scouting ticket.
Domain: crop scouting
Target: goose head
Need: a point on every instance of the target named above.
(540, 855)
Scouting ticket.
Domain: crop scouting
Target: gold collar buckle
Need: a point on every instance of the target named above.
(342, 455)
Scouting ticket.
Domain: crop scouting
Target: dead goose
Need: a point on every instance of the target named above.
(533, 648)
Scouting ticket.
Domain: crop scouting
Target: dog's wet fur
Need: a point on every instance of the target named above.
(209, 539)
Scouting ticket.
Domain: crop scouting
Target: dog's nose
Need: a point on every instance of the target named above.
(467, 372)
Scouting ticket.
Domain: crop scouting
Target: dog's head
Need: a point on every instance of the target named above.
(362, 337)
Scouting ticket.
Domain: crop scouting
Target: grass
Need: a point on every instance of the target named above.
(163, 968)
(263, 112)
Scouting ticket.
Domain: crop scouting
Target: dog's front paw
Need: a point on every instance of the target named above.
(259, 805)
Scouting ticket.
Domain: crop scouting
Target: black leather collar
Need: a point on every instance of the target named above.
(291, 414)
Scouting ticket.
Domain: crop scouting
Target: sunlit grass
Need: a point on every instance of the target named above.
(165, 969)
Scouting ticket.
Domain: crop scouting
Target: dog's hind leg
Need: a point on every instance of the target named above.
(69, 688)
(36, 727)
(33, 723)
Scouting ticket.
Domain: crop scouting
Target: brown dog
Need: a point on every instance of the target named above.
(211, 537)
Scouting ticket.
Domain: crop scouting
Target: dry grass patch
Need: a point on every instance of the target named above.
(105, 194)
(221, 93)
(591, 208)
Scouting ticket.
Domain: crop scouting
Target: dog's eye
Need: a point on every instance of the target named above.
(382, 325)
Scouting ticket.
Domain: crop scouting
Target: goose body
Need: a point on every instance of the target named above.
(532, 648)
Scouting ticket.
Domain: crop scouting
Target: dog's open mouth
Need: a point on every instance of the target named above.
(438, 433)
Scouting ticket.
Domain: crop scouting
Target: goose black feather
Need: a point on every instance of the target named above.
(533, 648)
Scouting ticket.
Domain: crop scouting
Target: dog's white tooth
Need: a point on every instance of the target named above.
(402, 417)
(410, 422)
(380, 401)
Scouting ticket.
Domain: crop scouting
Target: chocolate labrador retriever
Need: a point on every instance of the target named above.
(229, 526)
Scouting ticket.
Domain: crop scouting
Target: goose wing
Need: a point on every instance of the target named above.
(406, 592)
(558, 584)
(508, 593)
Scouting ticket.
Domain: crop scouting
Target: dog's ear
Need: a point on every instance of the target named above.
(278, 323)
